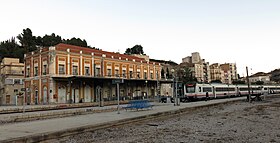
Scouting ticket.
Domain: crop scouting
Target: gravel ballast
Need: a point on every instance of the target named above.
(232, 122)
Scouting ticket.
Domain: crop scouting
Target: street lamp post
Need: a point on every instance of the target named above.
(118, 81)
(146, 88)
(118, 94)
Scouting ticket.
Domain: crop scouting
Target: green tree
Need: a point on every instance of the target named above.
(29, 43)
(27, 40)
(39, 41)
(128, 51)
(10, 48)
(185, 75)
(51, 40)
(76, 42)
(137, 49)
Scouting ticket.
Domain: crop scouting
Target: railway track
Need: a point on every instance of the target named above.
(92, 122)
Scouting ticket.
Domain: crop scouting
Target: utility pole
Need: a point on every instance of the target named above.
(118, 93)
(249, 91)
(176, 91)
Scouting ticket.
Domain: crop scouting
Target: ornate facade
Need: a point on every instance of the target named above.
(71, 74)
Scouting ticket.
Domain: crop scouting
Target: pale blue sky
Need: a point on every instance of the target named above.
(243, 31)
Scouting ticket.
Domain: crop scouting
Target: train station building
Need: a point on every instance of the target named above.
(72, 74)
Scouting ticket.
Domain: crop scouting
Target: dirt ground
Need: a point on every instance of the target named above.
(241, 122)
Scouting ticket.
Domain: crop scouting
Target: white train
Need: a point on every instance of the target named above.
(195, 91)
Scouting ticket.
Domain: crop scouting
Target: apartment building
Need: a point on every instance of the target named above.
(71, 74)
(260, 76)
(199, 67)
(206, 71)
(216, 73)
(230, 72)
(226, 73)
(11, 81)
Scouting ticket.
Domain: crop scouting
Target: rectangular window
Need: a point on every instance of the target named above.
(207, 89)
(9, 81)
(44, 70)
(152, 76)
(61, 69)
(191, 89)
(16, 81)
(97, 72)
(156, 74)
(35, 71)
(124, 73)
(145, 75)
(87, 71)
(243, 89)
(138, 75)
(75, 70)
(27, 72)
(130, 74)
(117, 74)
(109, 72)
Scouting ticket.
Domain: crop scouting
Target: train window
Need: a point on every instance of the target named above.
(220, 89)
(199, 88)
(207, 89)
(191, 89)
(243, 89)
(265, 88)
(231, 89)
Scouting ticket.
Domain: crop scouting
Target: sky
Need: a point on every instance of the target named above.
(245, 32)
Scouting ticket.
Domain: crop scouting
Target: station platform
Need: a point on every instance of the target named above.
(28, 108)
(42, 130)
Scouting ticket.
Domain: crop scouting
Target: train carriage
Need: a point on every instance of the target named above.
(198, 90)
(195, 91)
(225, 90)
(271, 89)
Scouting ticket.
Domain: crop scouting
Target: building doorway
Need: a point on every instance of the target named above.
(98, 95)
(75, 95)
(45, 96)
(61, 94)
(8, 99)
(36, 97)
(87, 93)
